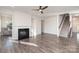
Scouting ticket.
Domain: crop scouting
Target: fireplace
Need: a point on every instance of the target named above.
(23, 33)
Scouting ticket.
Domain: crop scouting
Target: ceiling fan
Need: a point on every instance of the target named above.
(41, 8)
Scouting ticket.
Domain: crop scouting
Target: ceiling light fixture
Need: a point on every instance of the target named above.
(40, 10)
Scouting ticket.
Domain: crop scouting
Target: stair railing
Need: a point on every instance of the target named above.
(62, 22)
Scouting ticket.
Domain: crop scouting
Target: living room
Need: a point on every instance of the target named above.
(36, 29)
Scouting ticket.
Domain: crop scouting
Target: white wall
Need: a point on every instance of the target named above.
(36, 25)
(0, 23)
(21, 19)
(50, 25)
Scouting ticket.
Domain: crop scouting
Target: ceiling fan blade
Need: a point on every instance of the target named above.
(45, 7)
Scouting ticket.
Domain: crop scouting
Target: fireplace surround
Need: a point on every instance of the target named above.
(23, 33)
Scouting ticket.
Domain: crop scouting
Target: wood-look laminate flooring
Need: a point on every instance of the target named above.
(46, 43)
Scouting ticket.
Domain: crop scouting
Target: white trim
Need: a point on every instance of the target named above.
(58, 26)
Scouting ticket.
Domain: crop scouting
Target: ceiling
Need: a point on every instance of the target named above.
(50, 9)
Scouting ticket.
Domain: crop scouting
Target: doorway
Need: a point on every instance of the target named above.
(75, 26)
(6, 25)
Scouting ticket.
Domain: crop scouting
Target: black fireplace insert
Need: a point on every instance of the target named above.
(23, 33)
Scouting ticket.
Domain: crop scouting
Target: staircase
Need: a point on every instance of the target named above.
(65, 29)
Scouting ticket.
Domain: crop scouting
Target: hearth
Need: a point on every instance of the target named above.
(23, 33)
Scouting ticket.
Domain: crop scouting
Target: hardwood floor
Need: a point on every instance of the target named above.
(46, 43)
